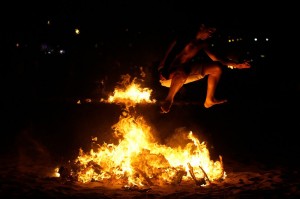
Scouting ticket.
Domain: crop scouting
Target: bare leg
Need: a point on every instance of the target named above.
(177, 82)
(214, 73)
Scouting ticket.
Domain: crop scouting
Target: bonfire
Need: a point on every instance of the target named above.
(136, 158)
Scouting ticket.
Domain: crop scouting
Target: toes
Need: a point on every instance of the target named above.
(165, 107)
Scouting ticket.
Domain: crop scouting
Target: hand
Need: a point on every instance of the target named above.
(243, 65)
(161, 77)
(162, 73)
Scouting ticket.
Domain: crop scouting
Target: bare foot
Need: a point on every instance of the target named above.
(208, 103)
(165, 107)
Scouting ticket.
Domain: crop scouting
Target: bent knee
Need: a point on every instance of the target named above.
(212, 66)
(215, 68)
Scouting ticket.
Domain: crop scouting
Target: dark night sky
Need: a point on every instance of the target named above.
(118, 21)
(26, 21)
(143, 14)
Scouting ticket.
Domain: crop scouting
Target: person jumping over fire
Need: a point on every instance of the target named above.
(180, 66)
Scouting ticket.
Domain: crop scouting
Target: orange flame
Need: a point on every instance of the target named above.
(138, 159)
(130, 93)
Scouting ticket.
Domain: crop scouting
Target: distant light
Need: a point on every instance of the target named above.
(77, 31)
(267, 39)
(17, 45)
(48, 22)
(255, 39)
(229, 40)
(62, 51)
(262, 56)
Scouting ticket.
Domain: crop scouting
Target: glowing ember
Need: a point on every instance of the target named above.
(137, 159)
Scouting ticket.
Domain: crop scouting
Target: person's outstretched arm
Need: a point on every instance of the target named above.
(227, 62)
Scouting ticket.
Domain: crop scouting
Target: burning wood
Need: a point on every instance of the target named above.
(145, 177)
(138, 159)
(198, 182)
(207, 178)
(136, 188)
